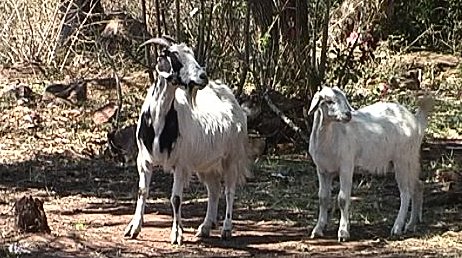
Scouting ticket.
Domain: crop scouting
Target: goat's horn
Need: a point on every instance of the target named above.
(158, 41)
(169, 38)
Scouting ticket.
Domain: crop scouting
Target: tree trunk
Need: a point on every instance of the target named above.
(147, 50)
(262, 11)
(178, 24)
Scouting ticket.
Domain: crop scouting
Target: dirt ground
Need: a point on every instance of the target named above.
(52, 152)
(88, 204)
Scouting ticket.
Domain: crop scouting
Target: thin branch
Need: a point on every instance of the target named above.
(245, 66)
(340, 82)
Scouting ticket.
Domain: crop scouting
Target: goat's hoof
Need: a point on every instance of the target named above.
(396, 230)
(176, 236)
(176, 239)
(203, 230)
(132, 230)
(317, 232)
(226, 234)
(343, 235)
(410, 227)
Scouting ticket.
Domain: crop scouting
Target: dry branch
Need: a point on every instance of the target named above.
(285, 118)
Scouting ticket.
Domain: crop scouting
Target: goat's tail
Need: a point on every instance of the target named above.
(425, 107)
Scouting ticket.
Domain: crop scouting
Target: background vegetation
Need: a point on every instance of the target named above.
(275, 54)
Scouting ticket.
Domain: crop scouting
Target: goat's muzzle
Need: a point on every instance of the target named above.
(347, 117)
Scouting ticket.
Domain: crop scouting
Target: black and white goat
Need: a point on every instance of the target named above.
(190, 124)
(371, 139)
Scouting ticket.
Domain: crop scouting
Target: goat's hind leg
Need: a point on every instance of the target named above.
(144, 171)
(416, 208)
(230, 180)
(324, 194)
(406, 189)
(213, 183)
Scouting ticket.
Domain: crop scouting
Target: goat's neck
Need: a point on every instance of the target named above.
(320, 131)
(163, 96)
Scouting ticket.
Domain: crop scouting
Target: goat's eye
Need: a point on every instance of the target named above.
(329, 101)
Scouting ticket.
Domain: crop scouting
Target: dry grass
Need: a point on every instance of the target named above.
(30, 30)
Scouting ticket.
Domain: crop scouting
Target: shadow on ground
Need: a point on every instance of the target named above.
(274, 211)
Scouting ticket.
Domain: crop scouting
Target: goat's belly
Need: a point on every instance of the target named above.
(212, 165)
(374, 166)
(326, 164)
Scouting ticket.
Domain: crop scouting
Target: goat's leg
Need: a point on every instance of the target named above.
(324, 194)
(343, 199)
(213, 184)
(416, 208)
(134, 227)
(406, 187)
(230, 190)
(180, 178)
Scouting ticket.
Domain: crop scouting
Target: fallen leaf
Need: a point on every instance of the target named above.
(105, 113)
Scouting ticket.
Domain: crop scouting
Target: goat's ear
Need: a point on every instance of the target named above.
(314, 103)
(164, 67)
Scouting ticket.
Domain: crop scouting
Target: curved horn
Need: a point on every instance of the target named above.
(170, 38)
(158, 41)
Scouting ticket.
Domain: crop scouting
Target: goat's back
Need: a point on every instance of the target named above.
(375, 136)
(382, 133)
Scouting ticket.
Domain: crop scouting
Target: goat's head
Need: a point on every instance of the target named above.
(177, 64)
(333, 104)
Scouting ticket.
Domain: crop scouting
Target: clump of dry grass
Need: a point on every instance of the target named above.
(30, 31)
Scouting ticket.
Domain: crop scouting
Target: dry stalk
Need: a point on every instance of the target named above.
(75, 36)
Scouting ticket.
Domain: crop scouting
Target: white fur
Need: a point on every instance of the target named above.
(212, 142)
(371, 138)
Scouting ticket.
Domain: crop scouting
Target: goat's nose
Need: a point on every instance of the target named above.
(203, 76)
(348, 115)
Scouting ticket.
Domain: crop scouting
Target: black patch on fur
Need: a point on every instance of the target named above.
(176, 201)
(170, 132)
(146, 131)
(175, 63)
(228, 216)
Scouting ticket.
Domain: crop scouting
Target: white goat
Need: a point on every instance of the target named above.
(186, 130)
(371, 138)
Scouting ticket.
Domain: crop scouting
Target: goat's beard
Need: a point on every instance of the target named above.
(192, 93)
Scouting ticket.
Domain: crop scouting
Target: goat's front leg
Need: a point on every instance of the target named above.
(344, 196)
(213, 184)
(324, 194)
(134, 227)
(180, 178)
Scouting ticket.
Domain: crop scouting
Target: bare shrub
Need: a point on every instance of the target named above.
(29, 30)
